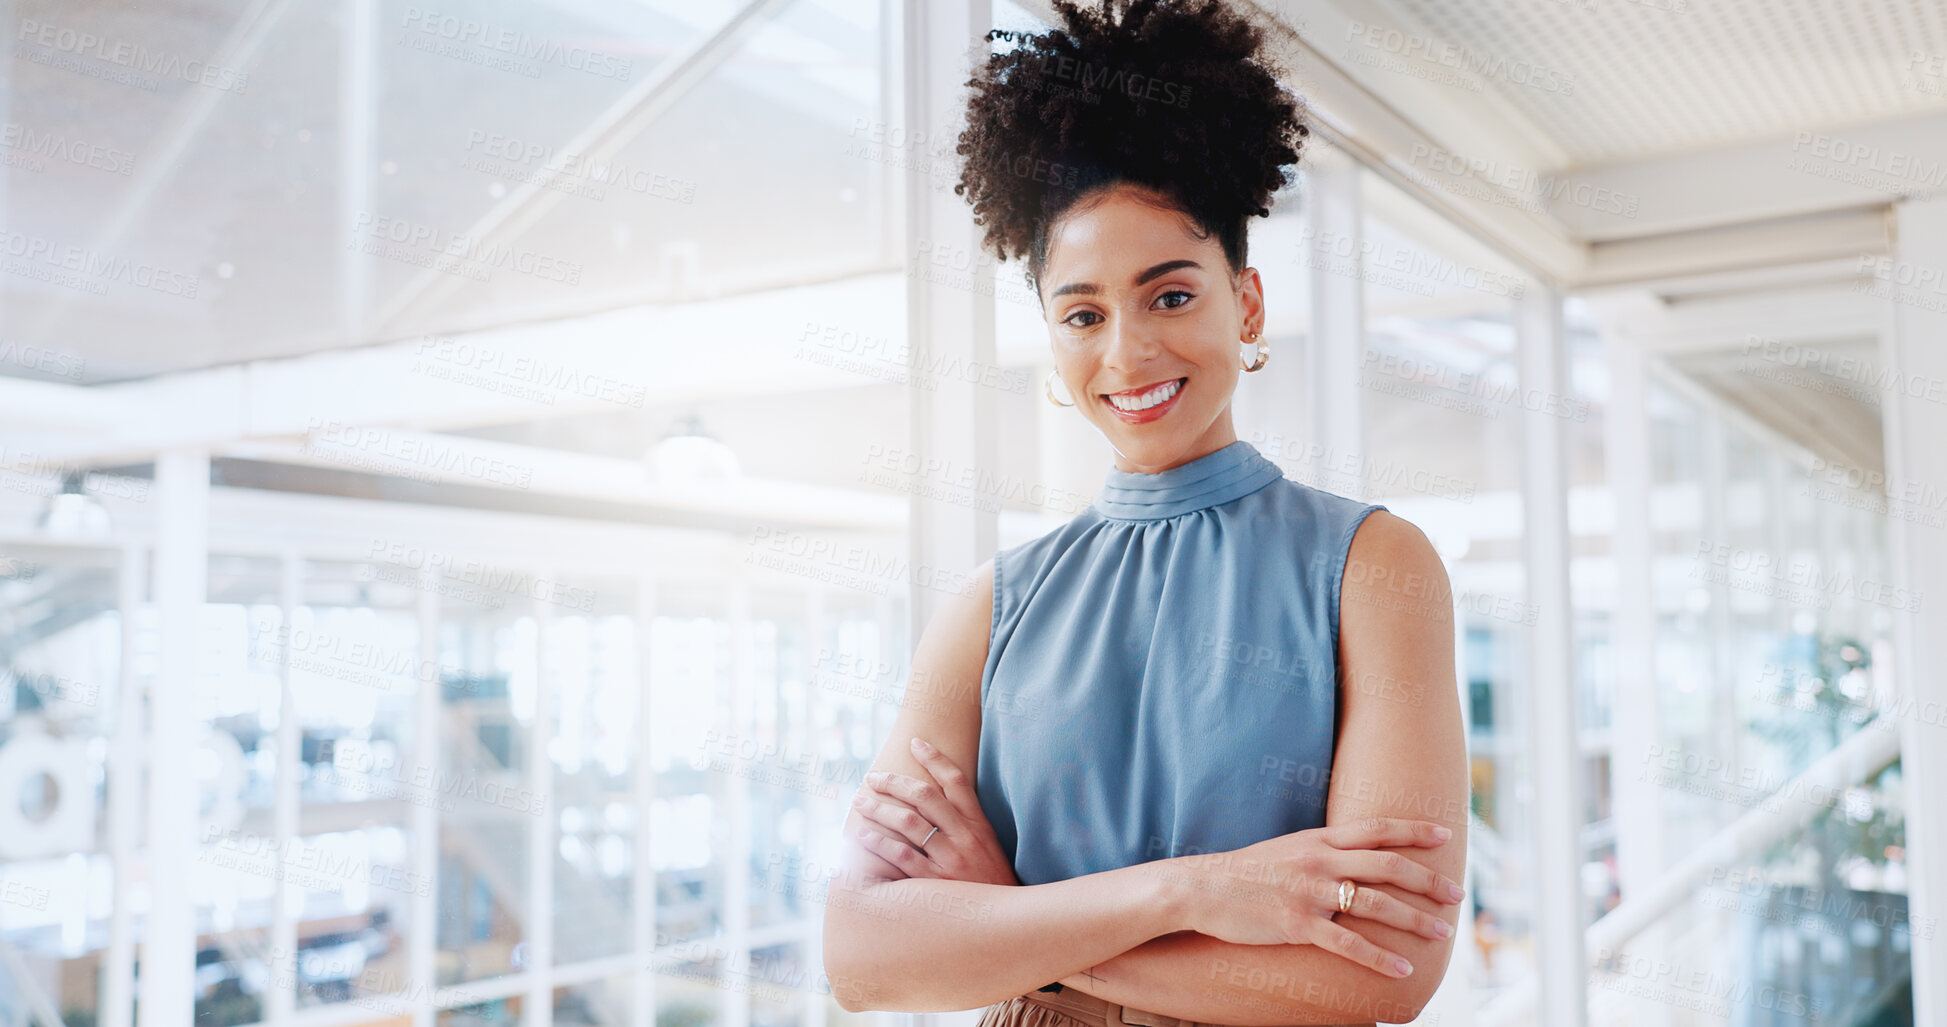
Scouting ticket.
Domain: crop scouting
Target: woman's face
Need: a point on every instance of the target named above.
(1135, 301)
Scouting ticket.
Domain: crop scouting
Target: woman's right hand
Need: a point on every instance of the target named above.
(1284, 890)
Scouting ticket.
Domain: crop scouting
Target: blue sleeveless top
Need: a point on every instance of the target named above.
(1162, 670)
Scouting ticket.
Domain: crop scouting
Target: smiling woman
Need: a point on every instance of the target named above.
(1178, 796)
(1154, 342)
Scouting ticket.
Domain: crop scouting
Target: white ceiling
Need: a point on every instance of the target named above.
(1642, 79)
(1691, 110)
(249, 201)
(242, 192)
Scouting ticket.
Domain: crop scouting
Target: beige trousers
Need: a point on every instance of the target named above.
(1071, 1008)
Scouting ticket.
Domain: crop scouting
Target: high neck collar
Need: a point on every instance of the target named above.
(1233, 472)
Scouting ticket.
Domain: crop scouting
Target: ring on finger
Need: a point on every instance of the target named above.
(1347, 892)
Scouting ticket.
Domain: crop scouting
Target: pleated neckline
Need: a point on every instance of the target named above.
(1215, 478)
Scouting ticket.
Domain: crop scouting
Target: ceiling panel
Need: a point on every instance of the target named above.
(1623, 79)
(210, 225)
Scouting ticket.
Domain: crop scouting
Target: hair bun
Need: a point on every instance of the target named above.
(1177, 95)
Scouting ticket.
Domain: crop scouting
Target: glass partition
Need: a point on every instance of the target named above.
(483, 783)
(61, 705)
(1444, 417)
(357, 672)
(589, 661)
(240, 865)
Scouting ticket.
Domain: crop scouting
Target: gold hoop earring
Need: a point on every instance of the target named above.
(1048, 386)
(1263, 353)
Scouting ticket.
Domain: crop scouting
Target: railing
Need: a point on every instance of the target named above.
(1852, 762)
(36, 1007)
(1789, 916)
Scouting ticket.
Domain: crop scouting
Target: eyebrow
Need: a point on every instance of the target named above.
(1090, 288)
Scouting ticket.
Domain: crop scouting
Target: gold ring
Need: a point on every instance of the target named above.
(1347, 892)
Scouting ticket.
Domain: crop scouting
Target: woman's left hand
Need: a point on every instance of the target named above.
(963, 848)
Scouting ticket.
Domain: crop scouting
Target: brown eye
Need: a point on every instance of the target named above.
(1069, 320)
(1187, 297)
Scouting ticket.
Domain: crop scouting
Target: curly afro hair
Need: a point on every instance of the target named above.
(1173, 95)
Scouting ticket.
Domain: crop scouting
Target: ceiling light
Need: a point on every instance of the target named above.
(72, 512)
(689, 455)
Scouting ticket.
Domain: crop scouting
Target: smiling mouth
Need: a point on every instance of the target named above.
(1136, 401)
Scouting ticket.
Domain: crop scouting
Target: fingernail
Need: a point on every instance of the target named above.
(876, 778)
(919, 744)
(1403, 967)
(1454, 892)
(1443, 833)
(858, 801)
(1442, 928)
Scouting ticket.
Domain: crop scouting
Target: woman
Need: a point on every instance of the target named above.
(1215, 772)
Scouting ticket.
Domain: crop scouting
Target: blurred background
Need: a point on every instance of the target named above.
(474, 474)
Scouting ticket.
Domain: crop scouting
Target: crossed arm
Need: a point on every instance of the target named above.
(893, 942)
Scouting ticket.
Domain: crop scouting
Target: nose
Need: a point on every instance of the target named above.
(1130, 343)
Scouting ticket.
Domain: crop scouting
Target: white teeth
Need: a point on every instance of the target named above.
(1159, 394)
